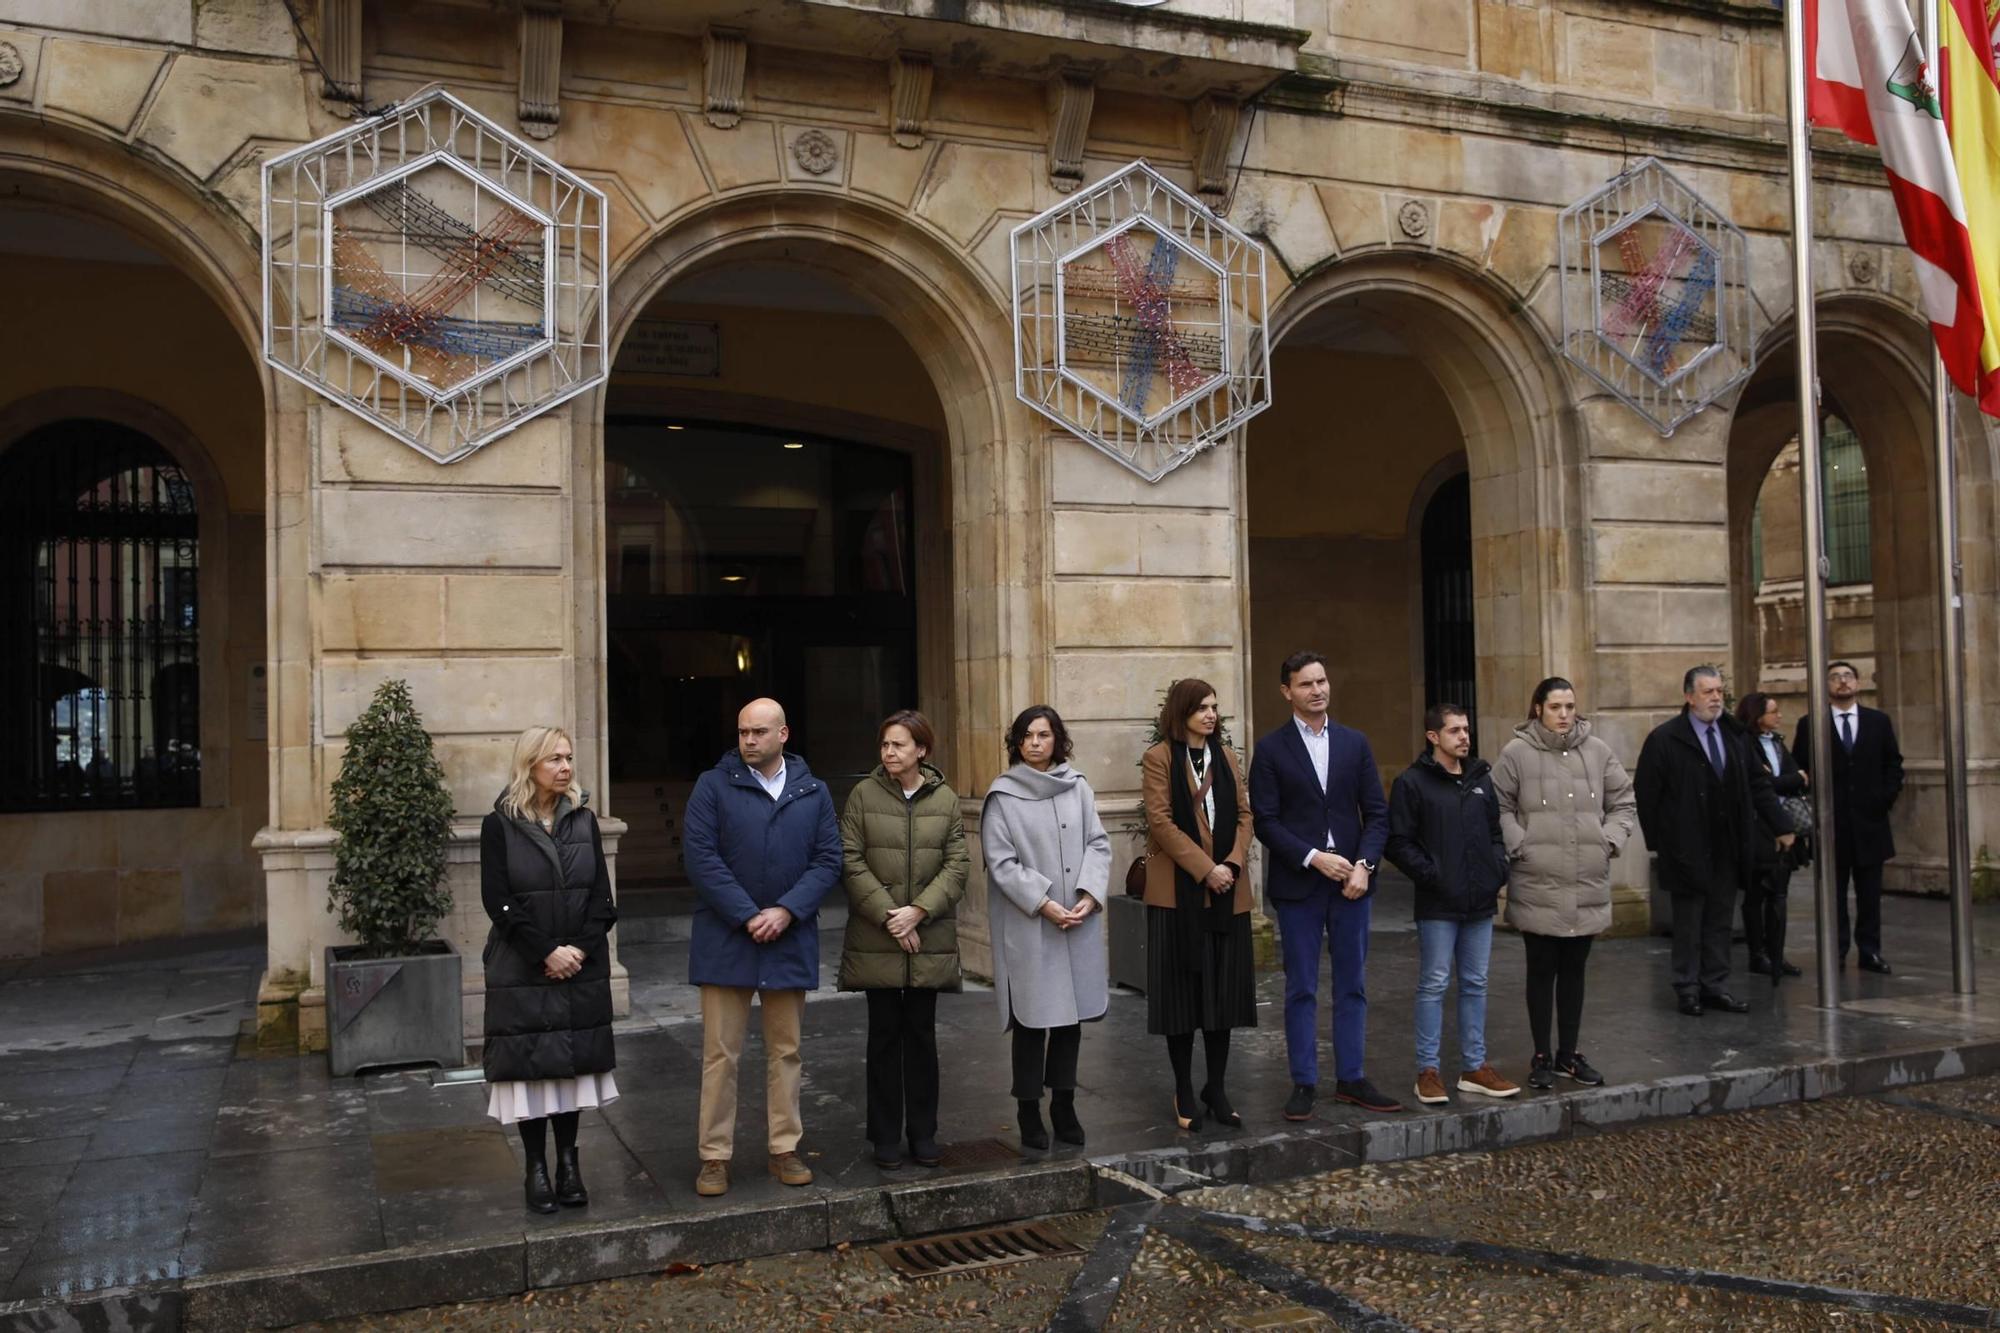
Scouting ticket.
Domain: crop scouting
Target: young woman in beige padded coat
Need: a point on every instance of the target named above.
(1566, 810)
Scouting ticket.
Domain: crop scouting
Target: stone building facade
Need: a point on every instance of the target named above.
(808, 471)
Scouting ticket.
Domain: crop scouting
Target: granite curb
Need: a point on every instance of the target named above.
(509, 1263)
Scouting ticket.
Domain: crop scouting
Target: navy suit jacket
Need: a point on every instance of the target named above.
(1292, 816)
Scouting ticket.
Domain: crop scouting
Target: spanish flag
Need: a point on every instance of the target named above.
(1867, 76)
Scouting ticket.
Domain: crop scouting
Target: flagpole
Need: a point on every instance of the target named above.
(1951, 633)
(1820, 724)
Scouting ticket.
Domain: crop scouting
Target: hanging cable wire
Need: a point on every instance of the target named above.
(1249, 128)
(335, 90)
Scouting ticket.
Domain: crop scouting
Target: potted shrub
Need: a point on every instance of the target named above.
(393, 997)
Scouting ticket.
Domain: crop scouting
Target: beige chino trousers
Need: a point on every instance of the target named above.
(725, 1016)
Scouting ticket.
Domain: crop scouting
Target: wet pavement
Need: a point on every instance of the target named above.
(141, 1150)
(1856, 1213)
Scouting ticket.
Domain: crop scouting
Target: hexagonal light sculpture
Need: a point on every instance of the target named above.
(1139, 321)
(1655, 295)
(434, 275)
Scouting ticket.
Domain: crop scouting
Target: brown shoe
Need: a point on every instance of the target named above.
(713, 1180)
(1430, 1088)
(1487, 1081)
(789, 1170)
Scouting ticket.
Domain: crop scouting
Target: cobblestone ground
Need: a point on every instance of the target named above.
(1876, 1213)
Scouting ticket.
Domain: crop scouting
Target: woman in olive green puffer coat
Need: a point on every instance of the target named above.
(906, 865)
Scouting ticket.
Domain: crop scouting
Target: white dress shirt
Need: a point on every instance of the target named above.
(1319, 746)
(775, 784)
(1853, 715)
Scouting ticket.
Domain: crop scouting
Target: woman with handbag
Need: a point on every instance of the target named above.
(1200, 967)
(1764, 897)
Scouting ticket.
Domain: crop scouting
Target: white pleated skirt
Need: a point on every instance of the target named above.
(531, 1100)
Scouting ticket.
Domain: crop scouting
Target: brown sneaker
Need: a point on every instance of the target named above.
(713, 1180)
(789, 1170)
(1430, 1088)
(1487, 1081)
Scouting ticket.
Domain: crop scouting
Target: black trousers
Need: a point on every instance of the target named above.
(1556, 966)
(1764, 911)
(1867, 932)
(1045, 1058)
(902, 1065)
(1704, 923)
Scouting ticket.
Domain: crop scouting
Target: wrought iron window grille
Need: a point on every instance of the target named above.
(100, 671)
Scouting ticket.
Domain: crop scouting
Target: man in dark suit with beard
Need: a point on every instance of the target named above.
(1867, 777)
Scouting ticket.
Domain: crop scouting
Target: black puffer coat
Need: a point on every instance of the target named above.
(542, 889)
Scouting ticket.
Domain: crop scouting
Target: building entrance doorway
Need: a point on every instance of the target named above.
(1361, 531)
(771, 485)
(1450, 652)
(747, 562)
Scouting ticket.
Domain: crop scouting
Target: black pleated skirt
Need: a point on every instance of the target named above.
(1209, 994)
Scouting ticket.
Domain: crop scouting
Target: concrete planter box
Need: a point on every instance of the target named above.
(1125, 923)
(394, 1011)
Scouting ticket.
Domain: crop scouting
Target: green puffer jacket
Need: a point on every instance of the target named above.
(901, 852)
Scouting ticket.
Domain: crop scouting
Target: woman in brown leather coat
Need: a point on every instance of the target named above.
(1200, 967)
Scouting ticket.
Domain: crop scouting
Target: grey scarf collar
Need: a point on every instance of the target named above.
(1029, 785)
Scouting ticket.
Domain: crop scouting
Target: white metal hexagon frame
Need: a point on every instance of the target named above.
(1190, 357)
(395, 321)
(1653, 302)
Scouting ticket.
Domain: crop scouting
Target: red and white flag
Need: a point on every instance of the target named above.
(1867, 76)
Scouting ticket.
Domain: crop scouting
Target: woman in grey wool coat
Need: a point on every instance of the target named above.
(1566, 809)
(1048, 860)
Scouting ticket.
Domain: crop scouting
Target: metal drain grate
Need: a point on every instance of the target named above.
(963, 1250)
(978, 1152)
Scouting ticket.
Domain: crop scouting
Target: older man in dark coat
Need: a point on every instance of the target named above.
(1703, 803)
(1867, 778)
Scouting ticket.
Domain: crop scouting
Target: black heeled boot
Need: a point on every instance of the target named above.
(1033, 1134)
(1062, 1115)
(570, 1192)
(541, 1198)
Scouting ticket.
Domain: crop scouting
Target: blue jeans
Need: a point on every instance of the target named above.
(1327, 920)
(1439, 944)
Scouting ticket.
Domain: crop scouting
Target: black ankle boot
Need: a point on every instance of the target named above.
(1062, 1115)
(1219, 1109)
(570, 1192)
(541, 1199)
(1033, 1135)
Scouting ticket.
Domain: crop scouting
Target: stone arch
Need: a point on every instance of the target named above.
(1520, 449)
(947, 312)
(1875, 373)
(81, 172)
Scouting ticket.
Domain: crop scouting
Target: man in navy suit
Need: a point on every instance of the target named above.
(1867, 778)
(1316, 798)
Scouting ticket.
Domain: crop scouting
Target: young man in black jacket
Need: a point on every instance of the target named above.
(1444, 833)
